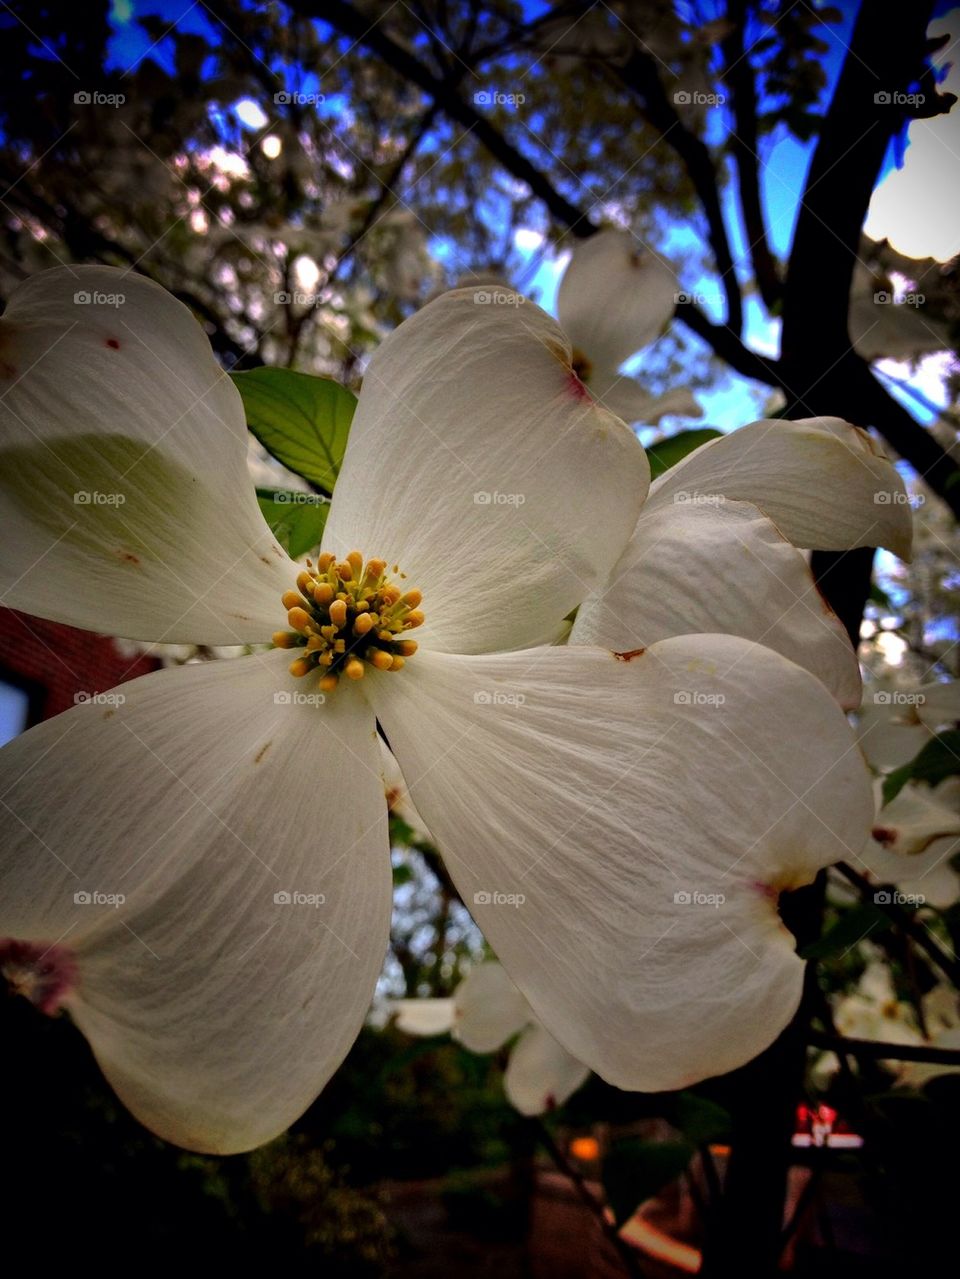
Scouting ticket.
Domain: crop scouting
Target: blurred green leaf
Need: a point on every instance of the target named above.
(303, 421)
(856, 924)
(296, 519)
(940, 758)
(701, 1120)
(635, 1170)
(667, 453)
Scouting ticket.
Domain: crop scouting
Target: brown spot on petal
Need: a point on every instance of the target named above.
(884, 835)
(261, 752)
(630, 654)
(110, 711)
(128, 557)
(113, 344)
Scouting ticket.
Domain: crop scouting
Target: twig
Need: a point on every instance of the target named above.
(905, 921)
(877, 1050)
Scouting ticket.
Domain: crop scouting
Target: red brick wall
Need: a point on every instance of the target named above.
(63, 661)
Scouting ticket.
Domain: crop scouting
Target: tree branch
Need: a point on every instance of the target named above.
(744, 147)
(724, 342)
(639, 73)
(445, 94)
(948, 964)
(875, 1050)
(888, 50)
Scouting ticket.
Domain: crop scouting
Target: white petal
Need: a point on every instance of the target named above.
(927, 877)
(478, 463)
(581, 802)
(627, 397)
(424, 1016)
(615, 297)
(824, 483)
(541, 1075)
(719, 566)
(938, 704)
(398, 798)
(216, 1010)
(488, 1009)
(124, 490)
(912, 820)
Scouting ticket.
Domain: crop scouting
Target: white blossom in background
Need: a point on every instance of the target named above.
(914, 839)
(900, 715)
(615, 298)
(873, 1011)
(486, 1012)
(212, 902)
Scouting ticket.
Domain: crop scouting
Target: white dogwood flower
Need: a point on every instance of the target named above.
(614, 299)
(200, 871)
(486, 1012)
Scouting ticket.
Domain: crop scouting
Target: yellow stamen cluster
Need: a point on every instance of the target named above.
(344, 614)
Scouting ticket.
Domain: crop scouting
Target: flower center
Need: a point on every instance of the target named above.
(581, 365)
(345, 614)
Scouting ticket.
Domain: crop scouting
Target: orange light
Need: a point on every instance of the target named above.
(585, 1148)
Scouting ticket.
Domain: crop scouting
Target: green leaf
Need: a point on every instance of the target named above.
(635, 1170)
(296, 519)
(303, 421)
(667, 453)
(940, 758)
(856, 924)
(701, 1120)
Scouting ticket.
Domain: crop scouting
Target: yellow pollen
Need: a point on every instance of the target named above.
(346, 617)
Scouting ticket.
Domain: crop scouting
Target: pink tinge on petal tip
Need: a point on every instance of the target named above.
(42, 972)
(577, 389)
